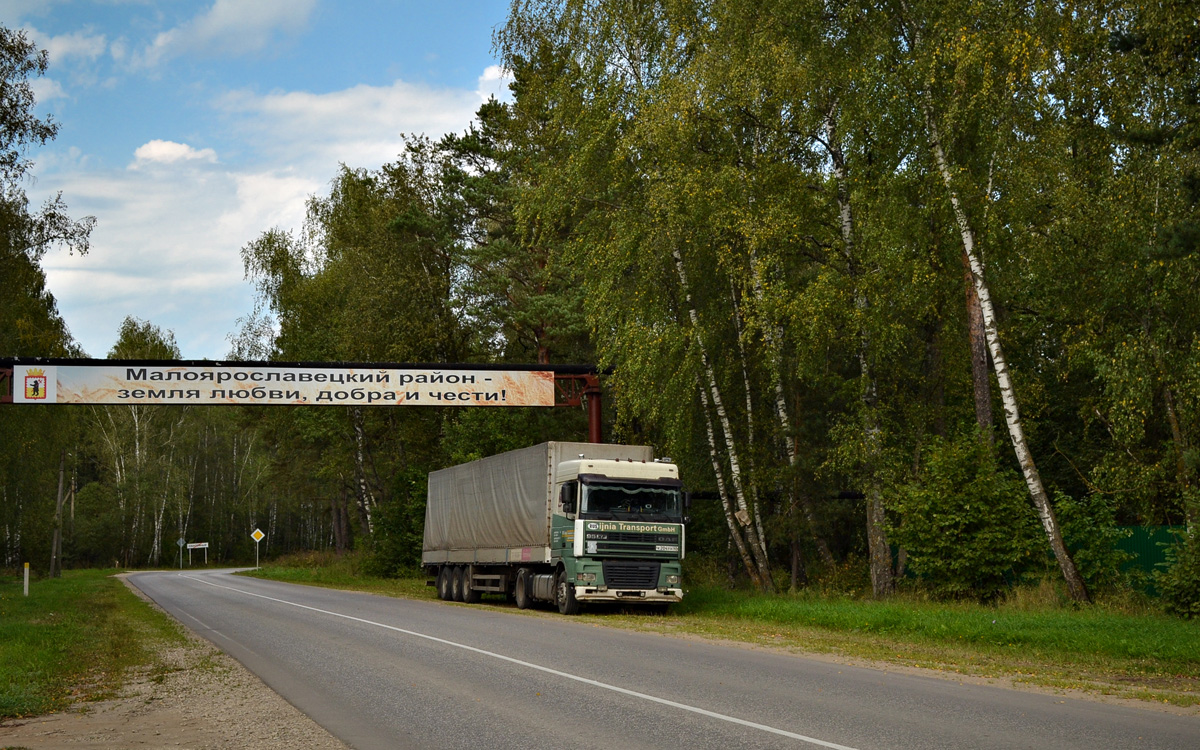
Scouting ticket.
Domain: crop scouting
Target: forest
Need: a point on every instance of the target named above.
(906, 288)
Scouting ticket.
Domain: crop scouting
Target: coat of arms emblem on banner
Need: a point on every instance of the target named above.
(35, 384)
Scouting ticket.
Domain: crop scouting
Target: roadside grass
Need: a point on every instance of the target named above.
(1142, 655)
(340, 572)
(1033, 638)
(72, 639)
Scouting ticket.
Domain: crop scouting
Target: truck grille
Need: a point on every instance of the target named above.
(638, 550)
(631, 544)
(629, 536)
(630, 575)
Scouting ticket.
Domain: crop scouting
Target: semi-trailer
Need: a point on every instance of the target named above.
(560, 522)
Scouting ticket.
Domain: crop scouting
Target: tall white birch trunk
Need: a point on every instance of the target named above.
(1008, 394)
(750, 437)
(735, 533)
(782, 415)
(366, 502)
(735, 473)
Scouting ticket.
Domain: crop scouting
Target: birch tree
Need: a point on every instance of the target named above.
(617, 180)
(940, 49)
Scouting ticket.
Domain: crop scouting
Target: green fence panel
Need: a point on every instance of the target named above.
(1148, 547)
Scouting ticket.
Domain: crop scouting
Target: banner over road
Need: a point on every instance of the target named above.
(253, 384)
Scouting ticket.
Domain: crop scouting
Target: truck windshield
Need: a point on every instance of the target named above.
(631, 502)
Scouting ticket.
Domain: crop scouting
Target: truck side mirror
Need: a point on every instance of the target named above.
(568, 497)
(687, 501)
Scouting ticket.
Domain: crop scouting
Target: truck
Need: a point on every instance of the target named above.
(566, 523)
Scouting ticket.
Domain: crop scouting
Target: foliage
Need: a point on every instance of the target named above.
(1179, 583)
(394, 548)
(964, 523)
(30, 325)
(1091, 532)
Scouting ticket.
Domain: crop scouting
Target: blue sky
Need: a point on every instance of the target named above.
(188, 128)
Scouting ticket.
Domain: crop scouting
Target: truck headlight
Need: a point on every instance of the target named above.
(586, 577)
(672, 580)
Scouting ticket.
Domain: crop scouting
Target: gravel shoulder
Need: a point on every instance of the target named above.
(197, 697)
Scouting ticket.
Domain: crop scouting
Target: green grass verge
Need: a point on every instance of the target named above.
(1034, 639)
(1144, 655)
(73, 638)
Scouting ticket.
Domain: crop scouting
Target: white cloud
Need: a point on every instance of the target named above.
(171, 226)
(267, 200)
(230, 27)
(78, 44)
(167, 249)
(154, 254)
(170, 152)
(45, 89)
(494, 83)
(361, 126)
(72, 55)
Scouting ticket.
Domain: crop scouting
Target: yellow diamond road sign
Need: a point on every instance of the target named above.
(257, 535)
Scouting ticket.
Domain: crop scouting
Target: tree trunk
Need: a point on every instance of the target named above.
(735, 534)
(799, 574)
(883, 581)
(977, 335)
(744, 513)
(782, 415)
(751, 439)
(1184, 473)
(160, 512)
(338, 521)
(365, 500)
(1008, 395)
(56, 544)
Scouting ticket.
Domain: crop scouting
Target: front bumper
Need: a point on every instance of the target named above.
(585, 593)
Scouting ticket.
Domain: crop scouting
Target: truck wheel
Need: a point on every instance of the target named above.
(564, 595)
(443, 583)
(456, 580)
(521, 589)
(470, 594)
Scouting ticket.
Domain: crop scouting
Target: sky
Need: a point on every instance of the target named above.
(188, 128)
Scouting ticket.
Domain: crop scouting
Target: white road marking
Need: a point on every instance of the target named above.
(209, 628)
(540, 668)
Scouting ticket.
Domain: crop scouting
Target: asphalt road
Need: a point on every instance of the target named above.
(393, 673)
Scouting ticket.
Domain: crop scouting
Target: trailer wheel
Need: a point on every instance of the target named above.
(521, 589)
(443, 583)
(470, 594)
(564, 592)
(456, 580)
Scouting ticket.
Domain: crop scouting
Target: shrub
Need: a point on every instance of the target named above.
(1179, 583)
(966, 524)
(1090, 531)
(398, 529)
